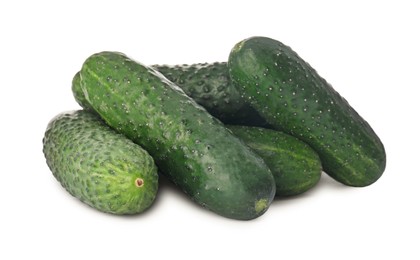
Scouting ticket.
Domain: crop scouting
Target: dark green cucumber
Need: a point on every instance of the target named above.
(296, 167)
(97, 165)
(292, 97)
(194, 149)
(210, 86)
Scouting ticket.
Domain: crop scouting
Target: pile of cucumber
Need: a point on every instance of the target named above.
(231, 135)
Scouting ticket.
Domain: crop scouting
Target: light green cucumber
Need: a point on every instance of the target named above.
(98, 166)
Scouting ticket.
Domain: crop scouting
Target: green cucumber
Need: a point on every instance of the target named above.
(78, 94)
(210, 86)
(296, 167)
(194, 149)
(292, 97)
(98, 166)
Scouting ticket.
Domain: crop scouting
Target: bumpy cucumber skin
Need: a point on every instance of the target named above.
(296, 167)
(192, 148)
(293, 98)
(210, 86)
(98, 166)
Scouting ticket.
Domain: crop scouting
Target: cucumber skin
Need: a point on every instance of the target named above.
(78, 94)
(296, 167)
(293, 98)
(191, 147)
(210, 86)
(99, 166)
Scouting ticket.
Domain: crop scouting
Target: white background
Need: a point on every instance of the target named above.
(368, 50)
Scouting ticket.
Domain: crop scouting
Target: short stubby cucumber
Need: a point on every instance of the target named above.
(296, 167)
(194, 149)
(209, 85)
(292, 97)
(99, 166)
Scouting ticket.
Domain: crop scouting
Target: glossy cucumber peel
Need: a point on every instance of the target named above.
(293, 98)
(209, 85)
(192, 148)
(296, 167)
(98, 166)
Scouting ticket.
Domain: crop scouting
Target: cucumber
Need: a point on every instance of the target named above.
(296, 167)
(292, 97)
(78, 94)
(98, 166)
(194, 149)
(210, 86)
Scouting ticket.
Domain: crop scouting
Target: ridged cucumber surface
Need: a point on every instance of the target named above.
(209, 85)
(98, 166)
(293, 98)
(194, 149)
(296, 167)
